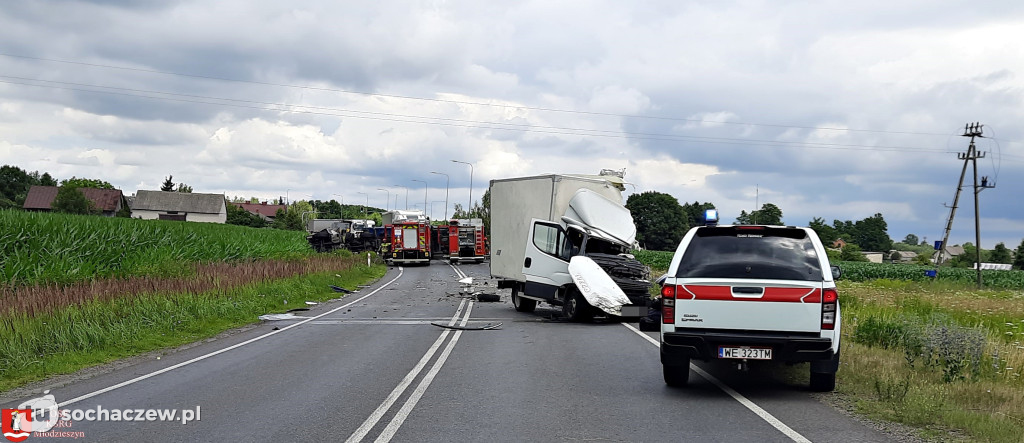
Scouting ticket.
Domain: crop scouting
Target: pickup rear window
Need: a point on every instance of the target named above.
(749, 252)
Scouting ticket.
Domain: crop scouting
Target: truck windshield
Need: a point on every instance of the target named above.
(750, 253)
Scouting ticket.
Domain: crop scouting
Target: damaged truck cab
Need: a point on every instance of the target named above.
(565, 240)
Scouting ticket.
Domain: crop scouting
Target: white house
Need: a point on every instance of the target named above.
(182, 206)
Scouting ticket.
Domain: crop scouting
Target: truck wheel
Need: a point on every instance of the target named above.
(522, 304)
(676, 376)
(823, 374)
(823, 382)
(576, 308)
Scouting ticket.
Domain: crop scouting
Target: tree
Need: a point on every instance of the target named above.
(287, 219)
(72, 201)
(910, 239)
(75, 183)
(872, 234)
(826, 233)
(168, 185)
(769, 214)
(1018, 256)
(695, 212)
(660, 220)
(851, 252)
(183, 188)
(1000, 254)
(922, 259)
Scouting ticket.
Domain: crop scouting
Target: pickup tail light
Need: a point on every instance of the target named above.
(668, 304)
(829, 303)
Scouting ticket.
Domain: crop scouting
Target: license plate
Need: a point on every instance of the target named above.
(745, 353)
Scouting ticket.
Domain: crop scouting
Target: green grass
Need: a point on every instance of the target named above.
(50, 248)
(936, 356)
(78, 336)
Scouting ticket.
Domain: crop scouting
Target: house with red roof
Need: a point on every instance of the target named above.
(265, 211)
(108, 201)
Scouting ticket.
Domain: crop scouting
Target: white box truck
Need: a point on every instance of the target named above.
(545, 228)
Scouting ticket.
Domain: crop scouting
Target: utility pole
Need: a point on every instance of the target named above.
(972, 155)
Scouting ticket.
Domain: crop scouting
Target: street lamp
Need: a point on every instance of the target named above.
(447, 180)
(367, 202)
(388, 201)
(424, 194)
(470, 207)
(406, 195)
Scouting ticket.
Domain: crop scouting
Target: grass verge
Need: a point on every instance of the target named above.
(942, 358)
(74, 337)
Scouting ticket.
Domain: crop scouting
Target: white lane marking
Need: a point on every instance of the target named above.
(458, 272)
(378, 413)
(396, 422)
(221, 351)
(795, 436)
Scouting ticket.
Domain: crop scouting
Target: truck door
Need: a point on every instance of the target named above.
(547, 258)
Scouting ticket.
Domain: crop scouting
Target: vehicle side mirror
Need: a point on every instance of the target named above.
(836, 272)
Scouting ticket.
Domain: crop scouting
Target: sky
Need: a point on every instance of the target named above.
(830, 109)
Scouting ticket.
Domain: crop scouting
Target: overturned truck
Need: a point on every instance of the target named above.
(326, 235)
(566, 240)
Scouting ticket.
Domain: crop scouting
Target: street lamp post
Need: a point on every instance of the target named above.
(424, 194)
(470, 207)
(388, 201)
(406, 195)
(367, 202)
(447, 181)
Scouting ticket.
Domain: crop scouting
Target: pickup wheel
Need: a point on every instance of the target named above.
(676, 376)
(576, 308)
(823, 382)
(522, 304)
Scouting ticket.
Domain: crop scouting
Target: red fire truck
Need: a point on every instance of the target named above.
(409, 242)
(466, 240)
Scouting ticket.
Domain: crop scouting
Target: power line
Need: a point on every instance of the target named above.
(475, 124)
(460, 102)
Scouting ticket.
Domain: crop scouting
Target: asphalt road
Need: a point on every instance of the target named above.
(372, 367)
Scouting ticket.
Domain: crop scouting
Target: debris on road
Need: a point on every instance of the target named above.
(487, 298)
(274, 317)
(312, 303)
(340, 289)
(487, 327)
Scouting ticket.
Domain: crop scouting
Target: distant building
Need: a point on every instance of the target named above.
(948, 253)
(265, 211)
(874, 257)
(182, 206)
(108, 201)
(905, 256)
(839, 243)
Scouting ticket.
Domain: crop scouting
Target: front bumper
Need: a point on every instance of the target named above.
(703, 345)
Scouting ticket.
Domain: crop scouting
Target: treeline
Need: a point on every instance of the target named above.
(661, 223)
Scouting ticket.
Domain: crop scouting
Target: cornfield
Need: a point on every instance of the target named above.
(49, 248)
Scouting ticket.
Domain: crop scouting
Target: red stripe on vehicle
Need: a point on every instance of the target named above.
(783, 295)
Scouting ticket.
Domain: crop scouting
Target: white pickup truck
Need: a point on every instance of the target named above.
(750, 292)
